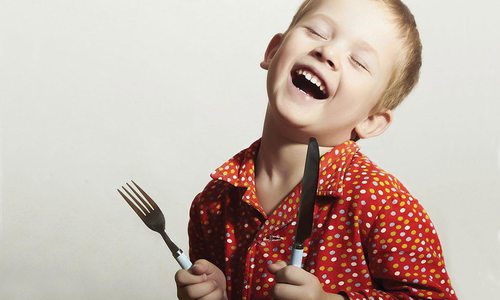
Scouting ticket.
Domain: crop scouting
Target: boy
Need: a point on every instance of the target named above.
(335, 74)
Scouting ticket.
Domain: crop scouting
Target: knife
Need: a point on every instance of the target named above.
(307, 196)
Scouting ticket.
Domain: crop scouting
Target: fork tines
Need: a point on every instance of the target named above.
(152, 216)
(144, 205)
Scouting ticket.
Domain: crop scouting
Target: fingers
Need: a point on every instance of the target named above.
(203, 266)
(274, 268)
(196, 274)
(288, 274)
(184, 278)
(294, 283)
(217, 294)
(289, 292)
(206, 289)
(202, 281)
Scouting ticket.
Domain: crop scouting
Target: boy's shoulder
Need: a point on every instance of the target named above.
(359, 185)
(346, 171)
(376, 195)
(366, 182)
(363, 171)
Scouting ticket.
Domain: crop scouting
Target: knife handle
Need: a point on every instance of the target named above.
(297, 257)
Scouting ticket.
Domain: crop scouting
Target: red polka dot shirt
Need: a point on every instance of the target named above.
(370, 240)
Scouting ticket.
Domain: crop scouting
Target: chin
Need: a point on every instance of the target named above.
(293, 127)
(293, 117)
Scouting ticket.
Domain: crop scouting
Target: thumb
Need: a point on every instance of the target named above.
(274, 268)
(203, 266)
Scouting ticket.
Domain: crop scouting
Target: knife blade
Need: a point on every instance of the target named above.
(307, 199)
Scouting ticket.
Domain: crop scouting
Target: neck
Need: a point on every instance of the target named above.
(280, 160)
(278, 168)
(280, 163)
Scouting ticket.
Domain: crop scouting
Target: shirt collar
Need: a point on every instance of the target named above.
(239, 170)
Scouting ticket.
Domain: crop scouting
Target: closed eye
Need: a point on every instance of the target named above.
(314, 32)
(359, 64)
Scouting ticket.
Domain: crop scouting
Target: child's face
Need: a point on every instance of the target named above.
(347, 48)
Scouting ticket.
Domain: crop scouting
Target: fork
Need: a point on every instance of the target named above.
(152, 216)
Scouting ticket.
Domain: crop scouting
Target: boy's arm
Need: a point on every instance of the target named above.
(206, 227)
(195, 231)
(204, 279)
(202, 233)
(404, 255)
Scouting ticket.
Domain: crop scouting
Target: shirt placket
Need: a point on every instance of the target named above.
(250, 199)
(267, 236)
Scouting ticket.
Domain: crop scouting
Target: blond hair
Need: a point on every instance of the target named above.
(406, 74)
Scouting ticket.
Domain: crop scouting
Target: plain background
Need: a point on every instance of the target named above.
(96, 93)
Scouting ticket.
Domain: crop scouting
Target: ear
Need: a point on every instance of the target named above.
(272, 47)
(373, 125)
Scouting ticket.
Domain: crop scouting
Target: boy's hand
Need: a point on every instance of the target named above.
(202, 281)
(296, 283)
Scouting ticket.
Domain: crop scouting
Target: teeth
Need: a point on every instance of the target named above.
(312, 78)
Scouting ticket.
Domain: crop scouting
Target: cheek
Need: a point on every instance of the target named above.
(352, 103)
(282, 59)
(365, 91)
(355, 90)
(289, 51)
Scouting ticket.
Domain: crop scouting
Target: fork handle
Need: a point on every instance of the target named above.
(182, 259)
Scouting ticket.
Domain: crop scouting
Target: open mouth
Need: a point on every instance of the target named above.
(308, 82)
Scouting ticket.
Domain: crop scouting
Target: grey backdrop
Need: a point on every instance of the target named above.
(95, 93)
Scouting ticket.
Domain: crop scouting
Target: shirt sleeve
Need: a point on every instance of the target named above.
(404, 254)
(195, 232)
(206, 236)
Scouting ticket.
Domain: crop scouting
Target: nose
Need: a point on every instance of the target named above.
(327, 55)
